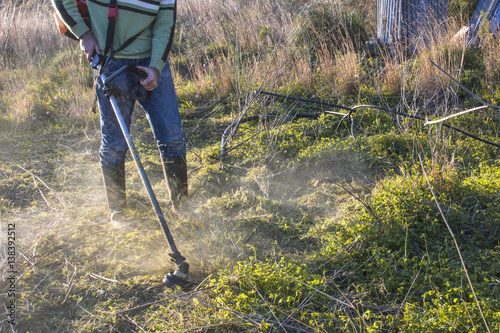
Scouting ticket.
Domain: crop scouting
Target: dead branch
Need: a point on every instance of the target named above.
(98, 277)
(455, 115)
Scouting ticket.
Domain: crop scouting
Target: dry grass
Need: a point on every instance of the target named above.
(28, 36)
(491, 48)
(252, 45)
(43, 76)
(81, 275)
(220, 23)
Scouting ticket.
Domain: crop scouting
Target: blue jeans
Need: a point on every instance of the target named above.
(162, 112)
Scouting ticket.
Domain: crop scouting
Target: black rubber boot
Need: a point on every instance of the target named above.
(175, 171)
(114, 182)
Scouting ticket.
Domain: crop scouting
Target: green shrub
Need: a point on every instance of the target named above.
(323, 26)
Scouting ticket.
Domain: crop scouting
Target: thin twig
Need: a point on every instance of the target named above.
(456, 245)
(265, 301)
(38, 188)
(350, 320)
(470, 317)
(456, 115)
(370, 210)
(406, 296)
(32, 264)
(89, 313)
(71, 285)
(133, 322)
(95, 276)
(249, 316)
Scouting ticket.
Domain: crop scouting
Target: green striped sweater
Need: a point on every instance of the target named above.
(153, 19)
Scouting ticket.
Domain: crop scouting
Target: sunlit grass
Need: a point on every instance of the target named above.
(319, 224)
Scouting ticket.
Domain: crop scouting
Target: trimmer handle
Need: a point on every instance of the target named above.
(98, 60)
(125, 82)
(131, 68)
(136, 70)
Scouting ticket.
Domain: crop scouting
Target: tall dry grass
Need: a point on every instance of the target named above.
(491, 49)
(42, 75)
(28, 35)
(295, 47)
(407, 71)
(226, 43)
(260, 39)
(243, 46)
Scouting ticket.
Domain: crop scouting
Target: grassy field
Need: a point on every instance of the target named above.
(354, 215)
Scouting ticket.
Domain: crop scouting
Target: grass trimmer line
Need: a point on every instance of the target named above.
(180, 276)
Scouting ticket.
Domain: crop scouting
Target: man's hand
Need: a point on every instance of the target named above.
(89, 45)
(151, 81)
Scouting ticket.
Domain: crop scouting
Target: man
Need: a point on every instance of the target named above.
(141, 35)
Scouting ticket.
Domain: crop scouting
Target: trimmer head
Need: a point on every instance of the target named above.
(178, 278)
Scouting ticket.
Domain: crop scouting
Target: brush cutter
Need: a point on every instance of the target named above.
(119, 85)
